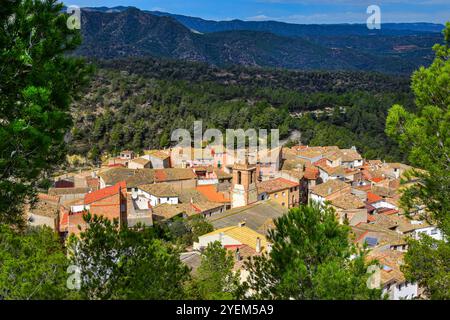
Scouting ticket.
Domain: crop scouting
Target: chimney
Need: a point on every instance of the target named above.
(269, 247)
(258, 245)
(192, 200)
(329, 190)
(221, 237)
(241, 224)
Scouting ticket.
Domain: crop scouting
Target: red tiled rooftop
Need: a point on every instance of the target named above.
(311, 173)
(275, 185)
(104, 193)
(211, 193)
(372, 197)
(388, 211)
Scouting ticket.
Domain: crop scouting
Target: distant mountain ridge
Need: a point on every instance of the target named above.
(127, 31)
(288, 29)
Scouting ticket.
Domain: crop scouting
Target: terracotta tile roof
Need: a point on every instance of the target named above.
(391, 260)
(159, 189)
(48, 198)
(322, 164)
(46, 206)
(388, 211)
(350, 155)
(274, 185)
(186, 195)
(210, 192)
(383, 192)
(405, 225)
(348, 201)
(74, 221)
(329, 187)
(311, 173)
(136, 177)
(133, 177)
(204, 206)
(141, 161)
(167, 211)
(160, 175)
(376, 179)
(245, 252)
(383, 234)
(104, 193)
(372, 197)
(174, 174)
(157, 154)
(64, 191)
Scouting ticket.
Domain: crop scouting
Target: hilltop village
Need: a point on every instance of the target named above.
(241, 199)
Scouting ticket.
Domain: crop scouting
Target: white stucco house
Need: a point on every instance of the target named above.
(157, 193)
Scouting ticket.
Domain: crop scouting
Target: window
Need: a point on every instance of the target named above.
(434, 231)
(239, 177)
(283, 204)
(284, 193)
(276, 195)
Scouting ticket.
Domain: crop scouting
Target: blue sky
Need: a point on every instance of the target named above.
(294, 11)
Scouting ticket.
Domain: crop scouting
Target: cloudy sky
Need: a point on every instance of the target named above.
(294, 11)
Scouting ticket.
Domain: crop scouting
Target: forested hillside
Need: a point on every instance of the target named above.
(130, 32)
(137, 103)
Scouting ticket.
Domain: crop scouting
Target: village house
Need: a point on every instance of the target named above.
(156, 194)
(349, 208)
(213, 194)
(45, 212)
(139, 163)
(234, 236)
(138, 215)
(179, 178)
(377, 234)
(283, 191)
(257, 216)
(412, 228)
(328, 191)
(392, 280)
(158, 159)
(110, 202)
(126, 155)
(69, 194)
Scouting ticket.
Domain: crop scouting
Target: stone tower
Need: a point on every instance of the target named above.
(244, 190)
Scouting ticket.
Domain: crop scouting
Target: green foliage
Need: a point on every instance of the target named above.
(123, 263)
(311, 258)
(427, 263)
(182, 231)
(32, 264)
(199, 226)
(172, 95)
(425, 135)
(215, 279)
(37, 83)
